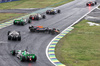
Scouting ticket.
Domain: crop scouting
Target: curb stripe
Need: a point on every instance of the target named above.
(51, 54)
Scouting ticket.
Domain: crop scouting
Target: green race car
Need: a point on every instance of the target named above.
(24, 55)
(21, 22)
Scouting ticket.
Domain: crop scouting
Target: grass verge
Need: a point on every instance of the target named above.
(27, 4)
(80, 47)
(8, 16)
(31, 4)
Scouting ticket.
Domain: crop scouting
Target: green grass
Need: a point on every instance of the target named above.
(28, 4)
(31, 4)
(8, 16)
(80, 47)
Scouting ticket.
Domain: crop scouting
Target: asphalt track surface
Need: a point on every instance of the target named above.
(37, 42)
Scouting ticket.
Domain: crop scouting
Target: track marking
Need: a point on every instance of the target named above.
(52, 45)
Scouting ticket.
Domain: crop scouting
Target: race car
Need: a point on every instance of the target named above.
(37, 17)
(44, 29)
(55, 31)
(91, 3)
(14, 35)
(37, 29)
(21, 22)
(24, 55)
(53, 11)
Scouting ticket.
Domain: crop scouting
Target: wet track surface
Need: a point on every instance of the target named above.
(37, 42)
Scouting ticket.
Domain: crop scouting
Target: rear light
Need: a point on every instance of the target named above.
(32, 17)
(89, 4)
(30, 59)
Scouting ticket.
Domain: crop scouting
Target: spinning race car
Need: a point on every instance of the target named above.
(24, 55)
(53, 11)
(91, 3)
(37, 17)
(21, 22)
(44, 30)
(14, 35)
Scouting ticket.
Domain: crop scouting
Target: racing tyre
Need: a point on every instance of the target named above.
(34, 59)
(58, 11)
(32, 30)
(87, 5)
(53, 13)
(28, 59)
(30, 17)
(19, 38)
(37, 18)
(29, 21)
(31, 27)
(9, 32)
(22, 58)
(9, 37)
(47, 12)
(14, 23)
(13, 52)
(43, 16)
(52, 32)
(22, 24)
(95, 3)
